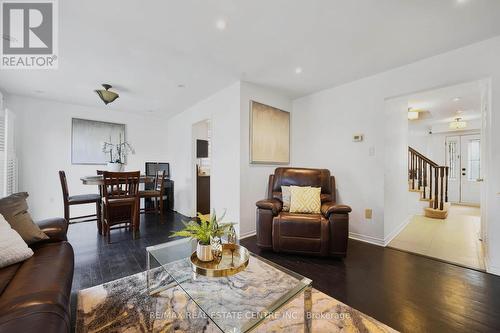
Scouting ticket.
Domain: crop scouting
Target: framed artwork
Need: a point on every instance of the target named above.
(88, 137)
(269, 134)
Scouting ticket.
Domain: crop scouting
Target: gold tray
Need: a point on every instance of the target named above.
(234, 259)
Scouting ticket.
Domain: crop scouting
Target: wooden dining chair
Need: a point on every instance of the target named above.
(156, 194)
(120, 201)
(81, 199)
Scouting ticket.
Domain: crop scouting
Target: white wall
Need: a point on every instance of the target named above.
(223, 110)
(254, 177)
(43, 143)
(324, 123)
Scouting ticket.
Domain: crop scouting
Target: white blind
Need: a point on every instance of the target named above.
(10, 155)
(8, 158)
(2, 154)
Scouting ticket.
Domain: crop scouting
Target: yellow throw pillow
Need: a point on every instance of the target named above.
(305, 199)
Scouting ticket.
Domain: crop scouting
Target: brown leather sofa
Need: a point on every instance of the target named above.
(35, 294)
(322, 234)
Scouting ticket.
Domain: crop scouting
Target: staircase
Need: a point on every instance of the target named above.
(431, 181)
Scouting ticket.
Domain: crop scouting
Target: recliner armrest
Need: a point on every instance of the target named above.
(328, 208)
(55, 228)
(271, 204)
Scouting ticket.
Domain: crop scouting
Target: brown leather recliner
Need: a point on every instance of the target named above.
(35, 294)
(322, 234)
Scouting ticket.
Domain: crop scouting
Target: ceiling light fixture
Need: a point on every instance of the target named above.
(221, 24)
(458, 124)
(106, 95)
(298, 70)
(412, 115)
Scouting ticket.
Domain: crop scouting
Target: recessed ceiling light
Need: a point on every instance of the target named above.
(298, 70)
(221, 24)
(181, 86)
(39, 91)
(456, 99)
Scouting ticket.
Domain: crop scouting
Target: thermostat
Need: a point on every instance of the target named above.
(357, 137)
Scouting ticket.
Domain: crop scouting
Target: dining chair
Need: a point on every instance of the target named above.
(80, 199)
(156, 194)
(120, 201)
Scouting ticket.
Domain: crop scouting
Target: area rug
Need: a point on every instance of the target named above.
(125, 305)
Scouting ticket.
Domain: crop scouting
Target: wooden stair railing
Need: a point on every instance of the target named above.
(424, 173)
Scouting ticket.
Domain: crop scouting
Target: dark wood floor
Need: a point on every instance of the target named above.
(405, 291)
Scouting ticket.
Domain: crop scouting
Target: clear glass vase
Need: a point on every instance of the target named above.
(216, 244)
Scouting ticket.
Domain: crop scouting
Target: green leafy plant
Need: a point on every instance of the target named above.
(207, 227)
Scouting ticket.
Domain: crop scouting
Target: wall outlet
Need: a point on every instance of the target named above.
(368, 214)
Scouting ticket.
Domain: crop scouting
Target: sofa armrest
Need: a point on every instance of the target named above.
(328, 208)
(55, 228)
(274, 205)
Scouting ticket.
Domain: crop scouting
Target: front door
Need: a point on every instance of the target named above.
(470, 169)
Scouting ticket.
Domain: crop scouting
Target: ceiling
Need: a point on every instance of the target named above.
(446, 104)
(146, 50)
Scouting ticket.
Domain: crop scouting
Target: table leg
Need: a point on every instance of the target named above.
(308, 310)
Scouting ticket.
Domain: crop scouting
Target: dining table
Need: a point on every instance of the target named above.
(98, 180)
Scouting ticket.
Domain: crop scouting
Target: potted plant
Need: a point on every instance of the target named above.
(204, 231)
(117, 153)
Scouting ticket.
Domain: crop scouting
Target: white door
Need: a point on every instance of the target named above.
(453, 162)
(470, 169)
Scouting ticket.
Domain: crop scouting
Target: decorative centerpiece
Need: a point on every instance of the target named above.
(208, 232)
(117, 153)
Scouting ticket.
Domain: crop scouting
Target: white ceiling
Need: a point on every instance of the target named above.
(443, 107)
(145, 49)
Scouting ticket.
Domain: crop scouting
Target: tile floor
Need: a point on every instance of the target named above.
(455, 239)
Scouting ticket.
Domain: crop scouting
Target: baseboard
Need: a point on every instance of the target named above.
(248, 234)
(366, 239)
(493, 270)
(489, 268)
(396, 231)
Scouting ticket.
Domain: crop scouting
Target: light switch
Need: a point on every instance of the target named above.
(357, 137)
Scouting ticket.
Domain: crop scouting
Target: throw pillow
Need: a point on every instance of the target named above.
(285, 197)
(14, 208)
(305, 200)
(13, 249)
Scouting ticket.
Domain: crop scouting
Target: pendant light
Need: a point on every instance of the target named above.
(106, 95)
(458, 124)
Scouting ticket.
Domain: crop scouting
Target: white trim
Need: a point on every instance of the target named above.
(493, 270)
(248, 234)
(397, 230)
(366, 239)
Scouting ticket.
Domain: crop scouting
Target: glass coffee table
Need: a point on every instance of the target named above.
(236, 303)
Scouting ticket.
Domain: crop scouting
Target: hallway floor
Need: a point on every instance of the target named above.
(455, 239)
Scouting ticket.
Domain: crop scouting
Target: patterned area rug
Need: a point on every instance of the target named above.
(124, 305)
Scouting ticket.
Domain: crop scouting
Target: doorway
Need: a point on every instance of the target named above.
(201, 166)
(463, 156)
(446, 129)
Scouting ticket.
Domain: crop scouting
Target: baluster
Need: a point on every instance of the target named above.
(430, 182)
(425, 178)
(436, 189)
(412, 170)
(441, 199)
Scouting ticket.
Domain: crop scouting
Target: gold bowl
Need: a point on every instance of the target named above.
(234, 259)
